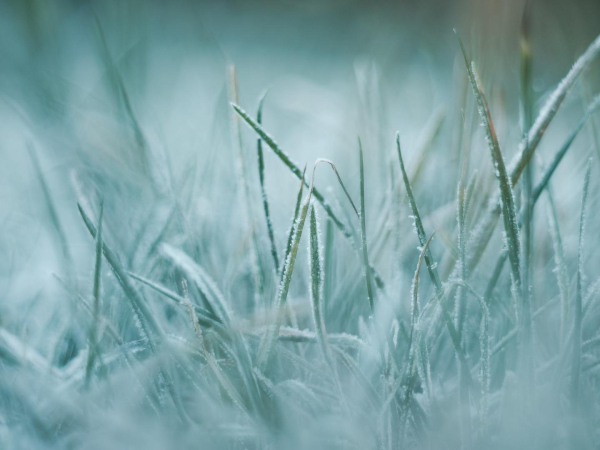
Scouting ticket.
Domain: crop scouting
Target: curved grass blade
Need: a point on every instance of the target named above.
(298, 173)
(205, 283)
(221, 377)
(205, 317)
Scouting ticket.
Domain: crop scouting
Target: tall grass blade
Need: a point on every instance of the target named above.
(268, 343)
(418, 224)
(577, 312)
(526, 121)
(242, 171)
(316, 285)
(261, 178)
(562, 274)
(96, 295)
(363, 229)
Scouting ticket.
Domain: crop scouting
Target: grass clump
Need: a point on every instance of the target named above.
(186, 320)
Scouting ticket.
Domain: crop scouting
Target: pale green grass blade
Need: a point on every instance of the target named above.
(509, 212)
(261, 178)
(527, 103)
(363, 229)
(147, 323)
(268, 343)
(96, 295)
(316, 285)
(420, 230)
(577, 310)
(203, 281)
(288, 246)
(549, 171)
(562, 274)
(206, 318)
(221, 377)
(242, 173)
(431, 266)
(149, 327)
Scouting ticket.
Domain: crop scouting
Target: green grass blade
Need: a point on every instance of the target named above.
(316, 285)
(268, 343)
(431, 267)
(261, 178)
(577, 313)
(203, 281)
(539, 188)
(148, 324)
(205, 317)
(562, 274)
(290, 239)
(507, 199)
(96, 295)
(363, 230)
(526, 119)
(244, 181)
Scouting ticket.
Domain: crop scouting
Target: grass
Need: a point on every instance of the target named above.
(180, 314)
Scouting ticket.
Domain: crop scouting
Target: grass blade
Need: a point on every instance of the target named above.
(420, 230)
(562, 274)
(316, 285)
(245, 186)
(577, 313)
(96, 294)
(216, 300)
(261, 178)
(268, 343)
(363, 230)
